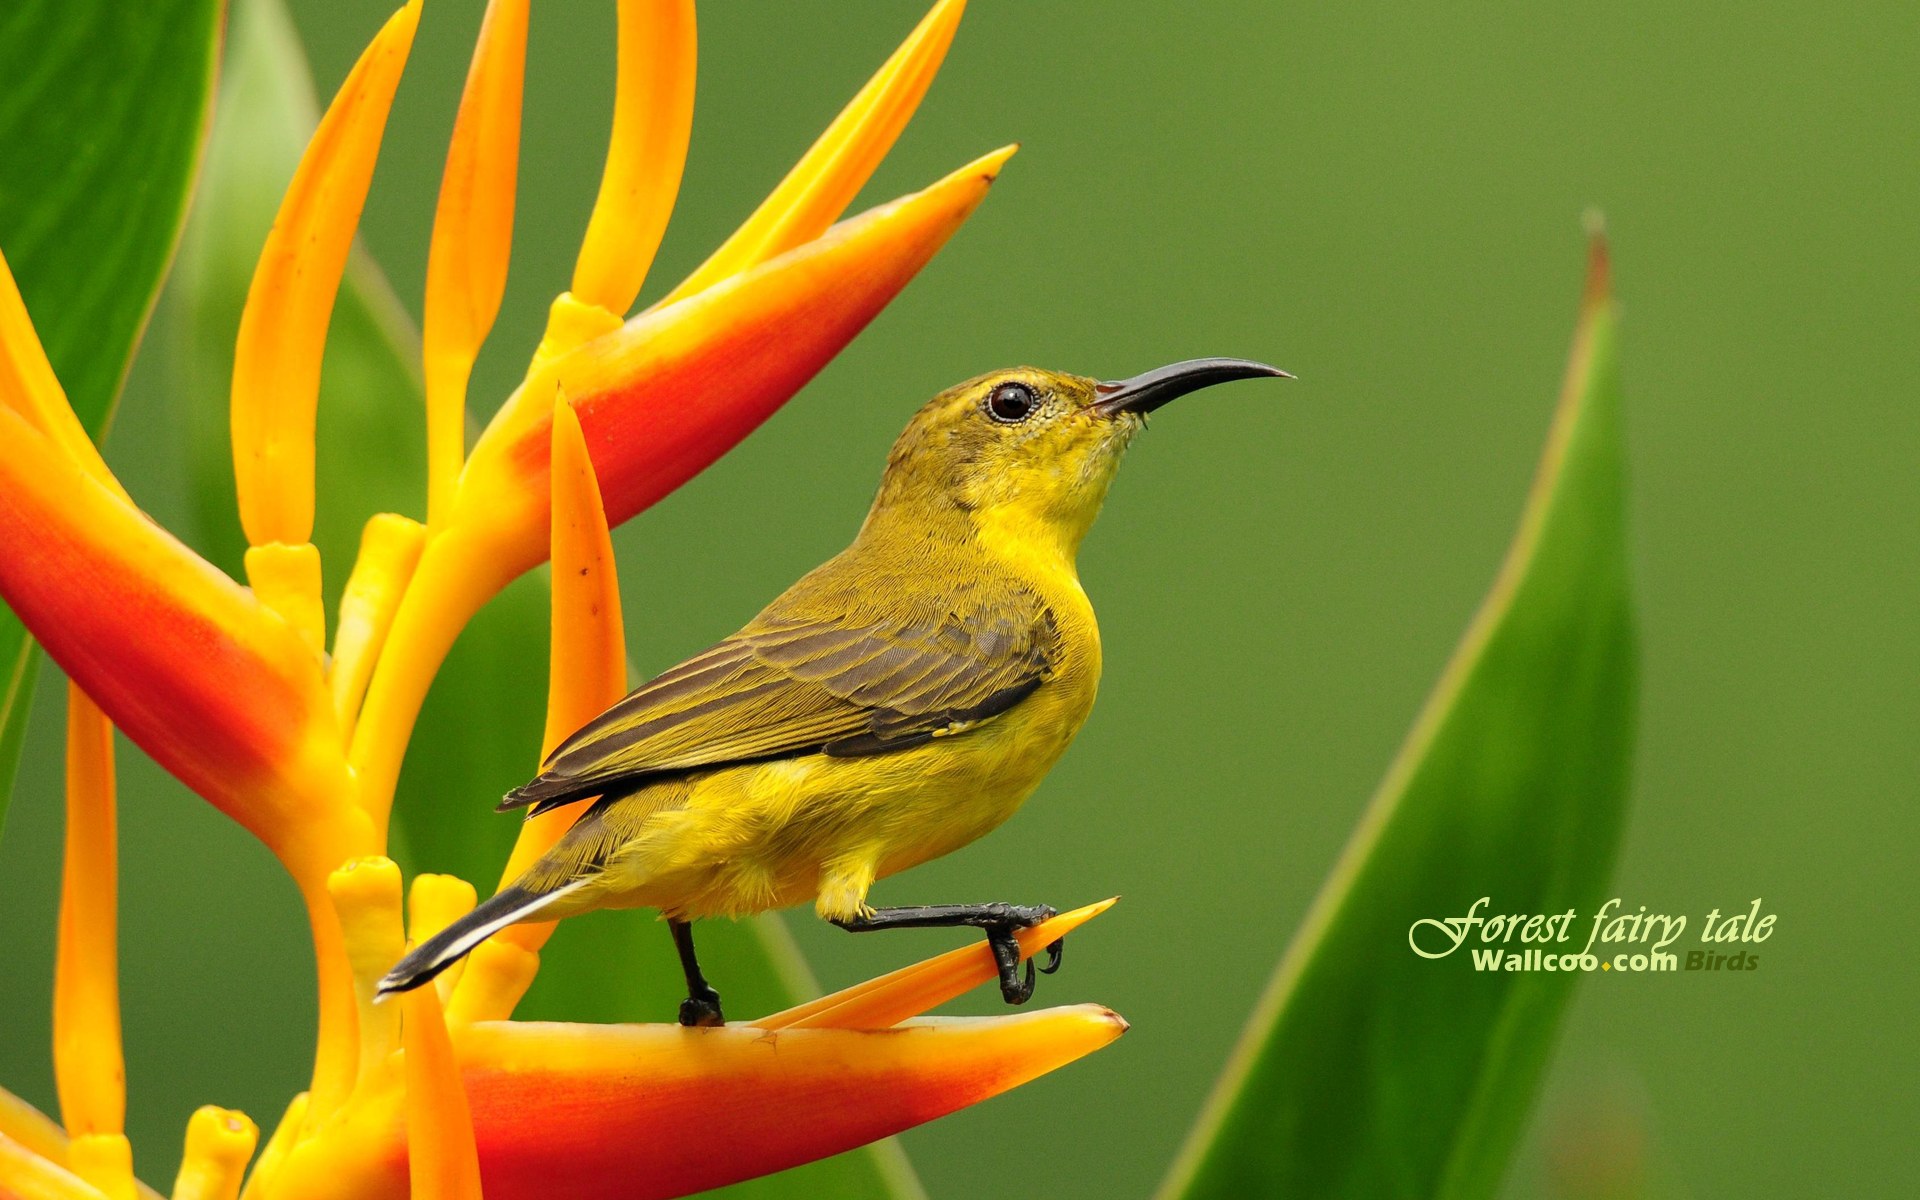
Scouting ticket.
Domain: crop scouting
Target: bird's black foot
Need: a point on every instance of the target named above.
(1001, 922)
(702, 1010)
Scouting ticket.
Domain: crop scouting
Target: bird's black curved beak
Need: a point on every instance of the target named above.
(1144, 393)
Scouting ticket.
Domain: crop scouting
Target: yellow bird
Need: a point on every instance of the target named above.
(896, 703)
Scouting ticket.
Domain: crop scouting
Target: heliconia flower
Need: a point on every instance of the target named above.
(636, 1111)
(232, 688)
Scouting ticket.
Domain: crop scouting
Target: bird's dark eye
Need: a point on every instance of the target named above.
(1011, 403)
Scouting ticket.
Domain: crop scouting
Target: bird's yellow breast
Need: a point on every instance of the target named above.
(818, 828)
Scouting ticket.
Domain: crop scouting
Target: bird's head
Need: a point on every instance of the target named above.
(1033, 451)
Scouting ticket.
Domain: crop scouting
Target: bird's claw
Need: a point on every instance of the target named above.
(1016, 988)
(702, 1011)
(1055, 950)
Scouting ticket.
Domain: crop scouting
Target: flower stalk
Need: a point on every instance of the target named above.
(472, 236)
(88, 1065)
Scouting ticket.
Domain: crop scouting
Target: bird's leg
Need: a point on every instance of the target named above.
(702, 1005)
(1000, 921)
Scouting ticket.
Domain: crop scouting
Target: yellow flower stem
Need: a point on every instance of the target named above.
(285, 1136)
(652, 120)
(287, 580)
(88, 1068)
(366, 895)
(28, 1176)
(646, 154)
(389, 551)
(458, 573)
(826, 179)
(336, 1049)
(472, 234)
(219, 1143)
(30, 1127)
(443, 1163)
(571, 323)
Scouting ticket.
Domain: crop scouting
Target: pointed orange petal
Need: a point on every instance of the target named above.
(280, 1144)
(29, 387)
(826, 179)
(283, 329)
(652, 119)
(216, 688)
(637, 1112)
(892, 998)
(442, 1163)
(588, 670)
(88, 1068)
(589, 659)
(472, 234)
(675, 388)
(588, 673)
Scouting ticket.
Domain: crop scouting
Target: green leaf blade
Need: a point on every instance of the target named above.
(101, 125)
(1369, 1070)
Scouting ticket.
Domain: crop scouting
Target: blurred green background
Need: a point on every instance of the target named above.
(1386, 201)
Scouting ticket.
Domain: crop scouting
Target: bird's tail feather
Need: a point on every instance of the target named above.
(506, 907)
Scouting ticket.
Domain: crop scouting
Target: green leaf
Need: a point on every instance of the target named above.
(101, 120)
(479, 732)
(1368, 1070)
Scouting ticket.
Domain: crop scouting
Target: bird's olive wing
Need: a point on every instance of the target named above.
(786, 687)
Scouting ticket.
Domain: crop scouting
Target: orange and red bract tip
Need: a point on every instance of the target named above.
(28, 386)
(283, 329)
(832, 172)
(891, 998)
(216, 688)
(652, 121)
(677, 387)
(472, 236)
(635, 1111)
(588, 659)
(588, 669)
